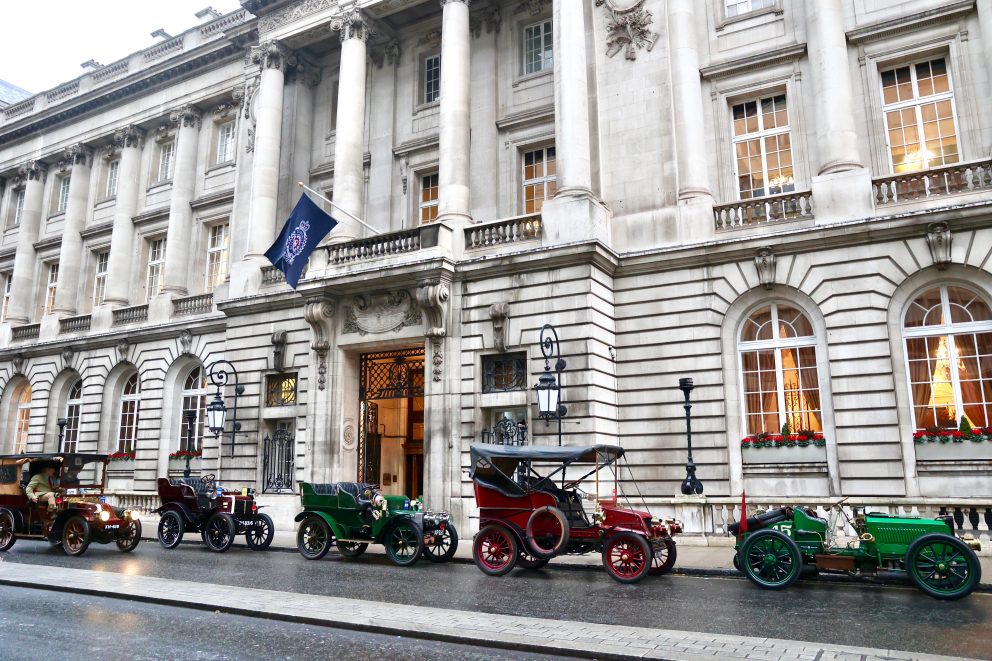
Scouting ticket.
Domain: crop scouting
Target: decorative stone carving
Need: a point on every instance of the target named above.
(500, 314)
(533, 7)
(273, 55)
(764, 261)
(381, 312)
(432, 39)
(123, 348)
(249, 93)
(939, 241)
(164, 132)
(185, 341)
(628, 30)
(352, 25)
(294, 12)
(18, 360)
(490, 17)
(68, 353)
(305, 74)
(128, 136)
(32, 171)
(77, 154)
(318, 312)
(388, 52)
(279, 350)
(348, 436)
(187, 116)
(432, 296)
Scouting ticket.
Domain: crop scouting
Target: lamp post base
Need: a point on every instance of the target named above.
(691, 485)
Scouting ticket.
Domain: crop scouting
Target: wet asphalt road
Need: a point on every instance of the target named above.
(36, 622)
(888, 617)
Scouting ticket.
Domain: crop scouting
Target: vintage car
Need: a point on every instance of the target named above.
(353, 515)
(774, 546)
(526, 518)
(195, 504)
(81, 514)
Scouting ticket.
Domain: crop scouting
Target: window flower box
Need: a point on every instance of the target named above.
(953, 444)
(116, 457)
(181, 455)
(801, 447)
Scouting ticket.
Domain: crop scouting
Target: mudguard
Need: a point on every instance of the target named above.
(176, 507)
(336, 530)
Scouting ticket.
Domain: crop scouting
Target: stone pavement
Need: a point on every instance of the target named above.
(554, 637)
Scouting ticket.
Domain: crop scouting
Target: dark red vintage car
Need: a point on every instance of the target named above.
(194, 504)
(527, 518)
(81, 514)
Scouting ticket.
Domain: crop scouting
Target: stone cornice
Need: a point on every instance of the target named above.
(213, 199)
(150, 216)
(524, 117)
(910, 22)
(417, 145)
(751, 62)
(98, 230)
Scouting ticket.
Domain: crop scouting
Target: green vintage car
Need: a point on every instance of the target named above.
(353, 515)
(774, 546)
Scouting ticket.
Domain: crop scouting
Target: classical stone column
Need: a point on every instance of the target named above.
(274, 59)
(21, 307)
(129, 141)
(177, 239)
(687, 95)
(454, 142)
(572, 145)
(985, 21)
(78, 161)
(349, 137)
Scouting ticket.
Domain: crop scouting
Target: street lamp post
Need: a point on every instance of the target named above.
(61, 422)
(220, 373)
(691, 484)
(190, 421)
(549, 385)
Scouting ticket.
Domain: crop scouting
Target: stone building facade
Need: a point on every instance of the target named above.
(788, 202)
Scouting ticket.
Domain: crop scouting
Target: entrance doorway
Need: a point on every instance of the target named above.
(391, 437)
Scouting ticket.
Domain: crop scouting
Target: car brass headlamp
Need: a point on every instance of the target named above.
(104, 515)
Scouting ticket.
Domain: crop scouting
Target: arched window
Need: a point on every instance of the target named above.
(23, 421)
(194, 399)
(70, 437)
(127, 427)
(778, 371)
(948, 334)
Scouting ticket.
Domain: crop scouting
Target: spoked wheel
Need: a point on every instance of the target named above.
(129, 536)
(770, 559)
(75, 536)
(404, 542)
(7, 537)
(495, 550)
(627, 557)
(527, 561)
(259, 533)
(219, 532)
(443, 545)
(313, 538)
(351, 549)
(170, 530)
(943, 566)
(664, 557)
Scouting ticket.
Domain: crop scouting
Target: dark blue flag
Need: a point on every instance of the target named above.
(304, 229)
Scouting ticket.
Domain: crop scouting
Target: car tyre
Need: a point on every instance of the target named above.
(75, 536)
(7, 536)
(525, 560)
(665, 554)
(627, 557)
(260, 533)
(943, 566)
(351, 549)
(220, 531)
(129, 536)
(535, 518)
(444, 546)
(495, 550)
(770, 559)
(170, 529)
(404, 542)
(313, 538)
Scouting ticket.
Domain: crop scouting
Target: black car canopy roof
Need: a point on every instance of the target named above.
(493, 465)
(41, 456)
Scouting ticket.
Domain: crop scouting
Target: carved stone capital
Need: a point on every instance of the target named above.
(129, 136)
(764, 261)
(77, 154)
(939, 241)
(490, 17)
(500, 314)
(273, 55)
(352, 24)
(32, 171)
(385, 53)
(187, 116)
(305, 74)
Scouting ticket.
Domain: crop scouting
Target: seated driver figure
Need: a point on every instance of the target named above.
(42, 486)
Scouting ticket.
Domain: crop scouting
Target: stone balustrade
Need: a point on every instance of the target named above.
(142, 501)
(508, 230)
(198, 304)
(26, 332)
(764, 210)
(937, 182)
(131, 315)
(383, 245)
(272, 276)
(79, 324)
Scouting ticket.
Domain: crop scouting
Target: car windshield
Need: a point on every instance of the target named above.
(81, 475)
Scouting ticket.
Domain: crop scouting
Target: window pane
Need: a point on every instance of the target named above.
(925, 310)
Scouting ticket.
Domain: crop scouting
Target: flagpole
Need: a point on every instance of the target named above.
(344, 211)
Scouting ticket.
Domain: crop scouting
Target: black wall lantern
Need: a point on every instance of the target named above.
(220, 374)
(548, 386)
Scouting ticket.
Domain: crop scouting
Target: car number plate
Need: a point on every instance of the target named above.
(111, 527)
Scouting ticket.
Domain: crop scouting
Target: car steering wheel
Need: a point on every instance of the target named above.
(210, 479)
(839, 502)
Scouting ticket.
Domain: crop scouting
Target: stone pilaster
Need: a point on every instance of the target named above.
(77, 160)
(687, 93)
(21, 308)
(454, 144)
(129, 140)
(178, 245)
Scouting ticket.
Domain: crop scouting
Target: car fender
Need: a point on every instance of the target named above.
(55, 533)
(176, 507)
(336, 530)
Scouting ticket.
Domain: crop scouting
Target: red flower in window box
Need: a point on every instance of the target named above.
(182, 454)
(122, 456)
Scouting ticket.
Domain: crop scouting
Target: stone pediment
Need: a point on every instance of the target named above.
(381, 312)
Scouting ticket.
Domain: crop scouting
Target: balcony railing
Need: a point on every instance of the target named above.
(199, 304)
(937, 182)
(26, 332)
(383, 245)
(764, 210)
(509, 230)
(132, 315)
(79, 324)
(272, 276)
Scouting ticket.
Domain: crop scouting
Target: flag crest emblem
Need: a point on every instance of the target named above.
(297, 241)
